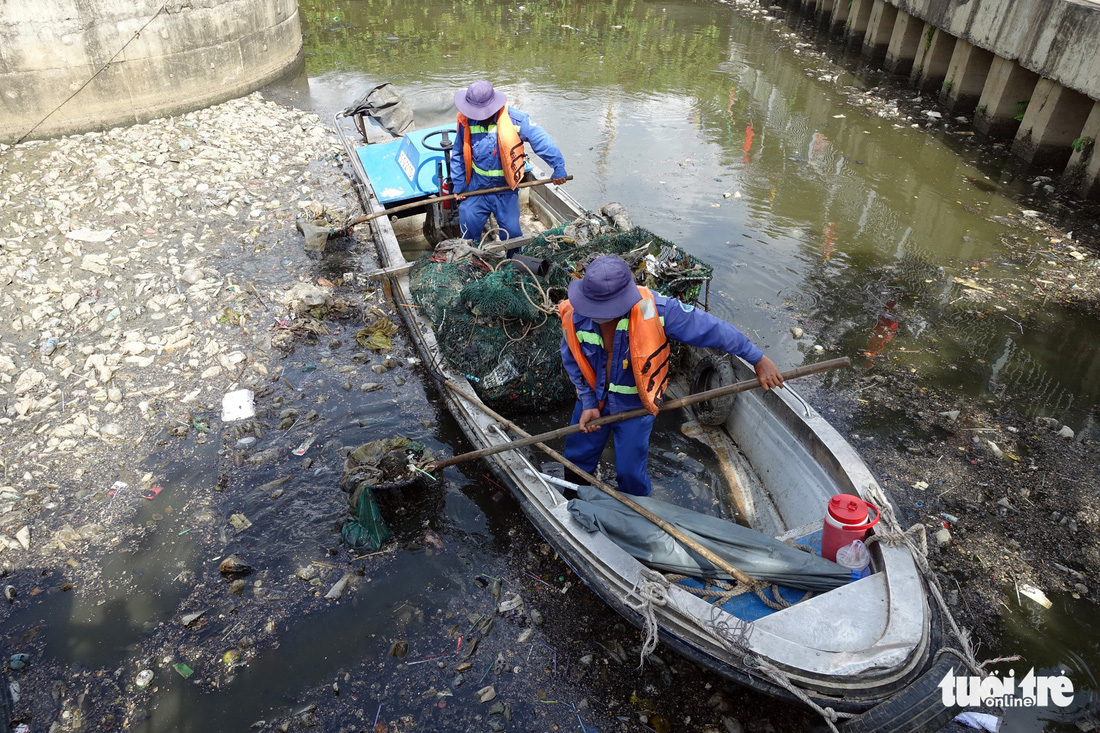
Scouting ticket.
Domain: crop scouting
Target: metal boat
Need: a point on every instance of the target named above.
(866, 649)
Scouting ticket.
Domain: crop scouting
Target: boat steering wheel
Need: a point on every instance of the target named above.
(445, 143)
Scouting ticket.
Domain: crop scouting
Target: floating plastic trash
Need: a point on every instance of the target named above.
(238, 405)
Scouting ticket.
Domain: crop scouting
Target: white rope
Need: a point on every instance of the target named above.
(547, 306)
(918, 548)
(651, 591)
(490, 232)
(916, 540)
(828, 714)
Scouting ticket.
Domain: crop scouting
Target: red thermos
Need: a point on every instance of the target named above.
(847, 519)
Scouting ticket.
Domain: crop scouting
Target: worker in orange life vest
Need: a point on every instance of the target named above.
(615, 350)
(489, 152)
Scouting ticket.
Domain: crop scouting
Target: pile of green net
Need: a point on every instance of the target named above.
(496, 321)
(385, 465)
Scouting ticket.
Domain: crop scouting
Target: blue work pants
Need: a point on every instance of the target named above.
(474, 212)
(631, 450)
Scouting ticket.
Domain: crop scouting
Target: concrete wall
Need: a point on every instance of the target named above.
(1057, 39)
(1025, 69)
(187, 54)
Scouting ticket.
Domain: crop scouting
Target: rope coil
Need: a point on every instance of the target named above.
(651, 590)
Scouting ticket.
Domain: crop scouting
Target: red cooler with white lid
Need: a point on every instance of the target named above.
(847, 519)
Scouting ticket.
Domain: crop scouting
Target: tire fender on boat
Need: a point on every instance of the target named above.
(712, 371)
(918, 708)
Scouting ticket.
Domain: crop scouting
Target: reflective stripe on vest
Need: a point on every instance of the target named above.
(513, 157)
(495, 173)
(573, 337)
(649, 350)
(587, 337)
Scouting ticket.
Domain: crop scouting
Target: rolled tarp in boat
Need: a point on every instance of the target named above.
(758, 555)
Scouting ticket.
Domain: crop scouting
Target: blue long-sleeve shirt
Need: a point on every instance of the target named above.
(681, 322)
(486, 156)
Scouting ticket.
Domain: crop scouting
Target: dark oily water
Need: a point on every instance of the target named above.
(715, 130)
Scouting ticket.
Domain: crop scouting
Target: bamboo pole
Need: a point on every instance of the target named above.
(714, 559)
(448, 197)
(729, 389)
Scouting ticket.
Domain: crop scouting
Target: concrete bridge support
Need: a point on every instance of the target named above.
(838, 18)
(904, 43)
(966, 77)
(75, 65)
(1008, 88)
(932, 62)
(1054, 118)
(858, 19)
(1083, 171)
(880, 28)
(1027, 70)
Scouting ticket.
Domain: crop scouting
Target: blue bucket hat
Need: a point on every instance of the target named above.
(607, 289)
(479, 101)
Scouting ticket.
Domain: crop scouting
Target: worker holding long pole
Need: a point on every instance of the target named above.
(489, 152)
(615, 348)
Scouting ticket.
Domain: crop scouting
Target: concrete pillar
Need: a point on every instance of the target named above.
(838, 18)
(904, 43)
(966, 75)
(924, 45)
(824, 10)
(1054, 118)
(858, 19)
(1008, 87)
(1083, 171)
(809, 7)
(931, 68)
(880, 29)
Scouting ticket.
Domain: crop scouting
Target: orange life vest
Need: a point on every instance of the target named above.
(649, 349)
(512, 155)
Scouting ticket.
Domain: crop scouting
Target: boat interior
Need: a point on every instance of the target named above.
(696, 466)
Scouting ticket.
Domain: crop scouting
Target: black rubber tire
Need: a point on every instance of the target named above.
(918, 708)
(711, 372)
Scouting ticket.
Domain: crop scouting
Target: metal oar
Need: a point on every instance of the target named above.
(729, 389)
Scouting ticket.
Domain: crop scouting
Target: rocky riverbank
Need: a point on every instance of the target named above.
(151, 552)
(147, 272)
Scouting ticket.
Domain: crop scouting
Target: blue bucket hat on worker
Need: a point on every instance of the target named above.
(606, 291)
(479, 101)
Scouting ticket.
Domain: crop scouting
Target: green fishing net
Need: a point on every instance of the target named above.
(386, 465)
(496, 320)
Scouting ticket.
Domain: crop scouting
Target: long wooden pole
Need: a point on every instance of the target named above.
(729, 389)
(716, 560)
(448, 197)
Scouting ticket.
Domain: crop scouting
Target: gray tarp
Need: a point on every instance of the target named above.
(758, 555)
(385, 106)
